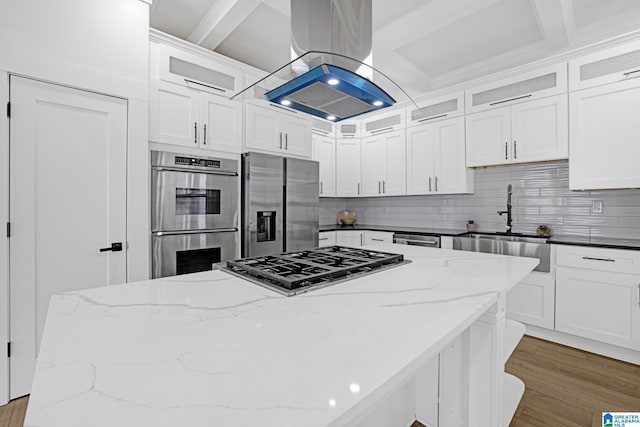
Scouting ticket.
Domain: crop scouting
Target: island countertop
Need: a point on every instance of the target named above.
(213, 349)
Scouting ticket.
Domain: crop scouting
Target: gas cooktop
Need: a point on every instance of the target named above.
(292, 273)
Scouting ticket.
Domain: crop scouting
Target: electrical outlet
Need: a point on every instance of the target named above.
(597, 206)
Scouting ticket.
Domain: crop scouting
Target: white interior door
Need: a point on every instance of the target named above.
(67, 201)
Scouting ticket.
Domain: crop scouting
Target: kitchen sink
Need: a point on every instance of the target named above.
(507, 244)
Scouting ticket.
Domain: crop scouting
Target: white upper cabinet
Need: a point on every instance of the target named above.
(612, 65)
(348, 167)
(526, 132)
(522, 87)
(384, 164)
(184, 116)
(277, 132)
(604, 125)
(324, 149)
(198, 71)
(436, 159)
(605, 137)
(383, 122)
(433, 110)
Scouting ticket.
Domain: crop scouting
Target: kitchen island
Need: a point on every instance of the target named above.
(211, 349)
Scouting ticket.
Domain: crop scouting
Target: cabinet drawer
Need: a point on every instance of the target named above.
(326, 238)
(377, 237)
(614, 260)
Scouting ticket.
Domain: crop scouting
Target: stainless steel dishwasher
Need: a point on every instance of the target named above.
(416, 240)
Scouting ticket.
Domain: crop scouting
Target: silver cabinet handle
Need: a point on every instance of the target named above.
(323, 238)
(320, 187)
(432, 118)
(506, 151)
(281, 140)
(202, 84)
(379, 187)
(638, 294)
(204, 141)
(515, 149)
(598, 259)
(510, 99)
(377, 240)
(628, 73)
(384, 190)
(361, 239)
(429, 184)
(358, 189)
(195, 132)
(436, 183)
(286, 141)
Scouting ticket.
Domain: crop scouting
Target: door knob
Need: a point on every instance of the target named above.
(115, 247)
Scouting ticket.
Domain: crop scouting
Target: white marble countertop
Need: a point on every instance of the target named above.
(211, 349)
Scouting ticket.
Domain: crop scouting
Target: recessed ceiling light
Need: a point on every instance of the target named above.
(377, 103)
(331, 117)
(285, 102)
(333, 82)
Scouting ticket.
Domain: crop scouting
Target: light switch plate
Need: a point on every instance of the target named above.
(597, 206)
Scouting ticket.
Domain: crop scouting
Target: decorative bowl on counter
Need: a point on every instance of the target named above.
(346, 217)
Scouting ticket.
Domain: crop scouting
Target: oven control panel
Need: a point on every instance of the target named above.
(194, 161)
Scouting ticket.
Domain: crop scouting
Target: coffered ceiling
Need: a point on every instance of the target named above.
(422, 44)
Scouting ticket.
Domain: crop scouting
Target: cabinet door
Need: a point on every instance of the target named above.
(377, 237)
(394, 182)
(221, 123)
(297, 136)
(326, 238)
(374, 163)
(599, 305)
(263, 130)
(489, 137)
(420, 163)
(532, 301)
(348, 167)
(451, 174)
(174, 114)
(539, 130)
(349, 238)
(605, 137)
(326, 156)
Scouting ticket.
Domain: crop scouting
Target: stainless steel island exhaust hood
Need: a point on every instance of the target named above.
(330, 76)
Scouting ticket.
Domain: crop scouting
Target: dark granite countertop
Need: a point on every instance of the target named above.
(601, 242)
(395, 229)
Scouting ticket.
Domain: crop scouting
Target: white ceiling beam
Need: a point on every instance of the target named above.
(555, 21)
(220, 20)
(425, 20)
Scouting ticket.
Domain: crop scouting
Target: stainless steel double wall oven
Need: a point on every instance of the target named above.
(194, 212)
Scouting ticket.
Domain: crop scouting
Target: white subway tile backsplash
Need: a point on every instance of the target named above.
(541, 195)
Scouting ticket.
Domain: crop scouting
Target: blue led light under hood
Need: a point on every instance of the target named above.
(351, 96)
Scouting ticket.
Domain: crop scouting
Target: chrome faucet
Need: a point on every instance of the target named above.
(508, 211)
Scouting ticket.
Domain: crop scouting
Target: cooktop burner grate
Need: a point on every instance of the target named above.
(300, 271)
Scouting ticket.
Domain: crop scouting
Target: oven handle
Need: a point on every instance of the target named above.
(176, 233)
(210, 172)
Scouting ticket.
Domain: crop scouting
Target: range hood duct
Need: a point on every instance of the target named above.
(330, 75)
(339, 26)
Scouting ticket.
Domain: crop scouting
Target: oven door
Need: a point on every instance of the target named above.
(189, 200)
(183, 253)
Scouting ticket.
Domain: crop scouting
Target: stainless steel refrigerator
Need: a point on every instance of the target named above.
(280, 198)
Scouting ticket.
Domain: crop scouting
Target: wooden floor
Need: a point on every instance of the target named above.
(563, 387)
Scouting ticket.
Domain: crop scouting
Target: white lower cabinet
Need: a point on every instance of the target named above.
(599, 305)
(326, 238)
(357, 238)
(353, 238)
(532, 301)
(598, 294)
(377, 237)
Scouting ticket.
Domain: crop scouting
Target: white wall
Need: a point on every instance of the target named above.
(96, 45)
